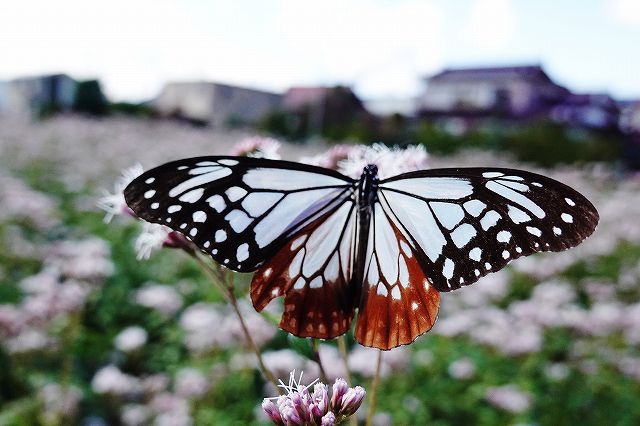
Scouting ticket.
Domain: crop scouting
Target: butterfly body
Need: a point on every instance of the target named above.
(333, 245)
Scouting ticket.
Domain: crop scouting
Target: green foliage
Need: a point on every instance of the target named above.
(90, 99)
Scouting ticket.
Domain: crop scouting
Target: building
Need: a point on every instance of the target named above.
(504, 92)
(34, 96)
(215, 104)
(591, 111)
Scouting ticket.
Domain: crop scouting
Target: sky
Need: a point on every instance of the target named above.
(382, 48)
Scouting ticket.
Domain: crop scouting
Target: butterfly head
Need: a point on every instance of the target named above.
(370, 170)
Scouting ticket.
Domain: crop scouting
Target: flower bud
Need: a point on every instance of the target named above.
(271, 410)
(340, 387)
(329, 419)
(352, 401)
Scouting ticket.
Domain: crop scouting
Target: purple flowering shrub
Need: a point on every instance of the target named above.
(115, 324)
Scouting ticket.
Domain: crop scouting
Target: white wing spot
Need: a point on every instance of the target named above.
(570, 202)
(487, 266)
(474, 207)
(404, 272)
(242, 253)
(199, 216)
(449, 214)
(182, 167)
(463, 234)
(539, 185)
(214, 251)
(238, 220)
(395, 293)
(406, 249)
(515, 197)
(184, 225)
(300, 283)
(155, 205)
(492, 174)
(426, 284)
(517, 215)
(192, 196)
(557, 230)
(235, 193)
(275, 292)
(267, 272)
(505, 254)
(477, 272)
(217, 203)
(220, 235)
(174, 208)
(296, 263)
(447, 269)
(257, 203)
(228, 162)
(490, 219)
(150, 180)
(475, 254)
(567, 217)
(208, 176)
(504, 236)
(519, 249)
(316, 283)
(514, 185)
(414, 306)
(534, 231)
(150, 193)
(193, 232)
(207, 244)
(381, 290)
(168, 220)
(297, 242)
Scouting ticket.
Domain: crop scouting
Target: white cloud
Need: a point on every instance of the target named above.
(625, 11)
(136, 46)
(492, 23)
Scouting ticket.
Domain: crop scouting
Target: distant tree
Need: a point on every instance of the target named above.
(90, 99)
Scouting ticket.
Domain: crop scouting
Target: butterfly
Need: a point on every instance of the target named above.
(332, 245)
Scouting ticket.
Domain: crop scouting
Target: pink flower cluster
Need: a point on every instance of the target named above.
(299, 407)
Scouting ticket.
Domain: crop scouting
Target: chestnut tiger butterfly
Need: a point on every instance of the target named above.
(332, 245)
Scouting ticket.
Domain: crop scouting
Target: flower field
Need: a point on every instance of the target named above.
(103, 323)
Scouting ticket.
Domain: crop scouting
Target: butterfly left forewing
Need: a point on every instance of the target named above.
(466, 223)
(239, 210)
(398, 301)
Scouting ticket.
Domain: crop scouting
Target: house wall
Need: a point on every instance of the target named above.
(241, 105)
(189, 100)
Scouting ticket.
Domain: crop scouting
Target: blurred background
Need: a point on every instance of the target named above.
(90, 334)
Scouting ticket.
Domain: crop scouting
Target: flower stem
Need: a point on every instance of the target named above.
(373, 393)
(224, 282)
(342, 347)
(316, 358)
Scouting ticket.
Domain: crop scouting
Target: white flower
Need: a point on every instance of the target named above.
(131, 338)
(390, 161)
(152, 238)
(114, 203)
(135, 415)
(259, 147)
(508, 398)
(462, 369)
(110, 380)
(190, 383)
(162, 298)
